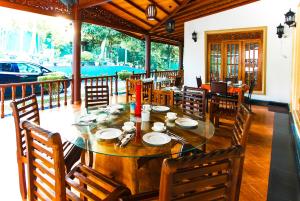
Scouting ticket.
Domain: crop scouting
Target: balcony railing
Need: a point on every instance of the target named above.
(58, 92)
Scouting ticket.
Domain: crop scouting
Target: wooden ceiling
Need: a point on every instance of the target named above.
(129, 16)
(179, 10)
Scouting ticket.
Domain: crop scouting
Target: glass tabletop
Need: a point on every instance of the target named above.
(84, 135)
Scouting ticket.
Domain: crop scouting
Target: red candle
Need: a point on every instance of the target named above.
(138, 106)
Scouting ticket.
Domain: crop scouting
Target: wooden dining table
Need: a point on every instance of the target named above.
(138, 164)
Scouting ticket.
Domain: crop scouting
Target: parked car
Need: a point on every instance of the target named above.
(17, 72)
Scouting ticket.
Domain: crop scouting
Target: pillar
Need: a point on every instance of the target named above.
(76, 56)
(180, 56)
(147, 55)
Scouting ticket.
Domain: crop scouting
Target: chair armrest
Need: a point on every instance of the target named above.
(141, 196)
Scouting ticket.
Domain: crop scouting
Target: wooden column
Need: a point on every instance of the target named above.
(181, 56)
(76, 56)
(147, 55)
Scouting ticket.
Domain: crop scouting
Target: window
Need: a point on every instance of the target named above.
(28, 68)
(239, 54)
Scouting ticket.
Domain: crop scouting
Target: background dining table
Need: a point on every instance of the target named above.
(138, 164)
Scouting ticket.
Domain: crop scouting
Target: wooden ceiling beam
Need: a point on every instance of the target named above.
(131, 14)
(93, 3)
(170, 16)
(136, 6)
(177, 2)
(159, 7)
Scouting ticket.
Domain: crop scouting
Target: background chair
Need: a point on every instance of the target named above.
(27, 109)
(178, 82)
(211, 176)
(194, 102)
(130, 89)
(135, 77)
(147, 88)
(231, 79)
(222, 104)
(251, 89)
(96, 96)
(199, 81)
(160, 97)
(46, 174)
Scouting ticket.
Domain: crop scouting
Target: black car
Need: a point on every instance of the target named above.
(16, 72)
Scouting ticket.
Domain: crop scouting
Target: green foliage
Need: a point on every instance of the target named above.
(124, 74)
(51, 77)
(87, 56)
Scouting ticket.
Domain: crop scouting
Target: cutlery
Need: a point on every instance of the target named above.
(126, 140)
(176, 137)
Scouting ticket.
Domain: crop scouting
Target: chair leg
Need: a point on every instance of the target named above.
(22, 179)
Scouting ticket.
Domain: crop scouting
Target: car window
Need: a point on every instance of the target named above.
(28, 68)
(6, 67)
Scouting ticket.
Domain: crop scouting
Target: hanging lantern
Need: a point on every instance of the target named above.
(290, 19)
(280, 30)
(68, 3)
(151, 12)
(170, 25)
(194, 36)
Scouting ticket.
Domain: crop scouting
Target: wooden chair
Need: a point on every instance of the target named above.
(135, 77)
(46, 173)
(231, 79)
(27, 109)
(160, 97)
(199, 81)
(194, 102)
(147, 88)
(211, 176)
(130, 89)
(178, 82)
(96, 96)
(251, 89)
(222, 104)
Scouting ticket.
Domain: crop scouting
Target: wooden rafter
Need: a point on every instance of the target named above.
(92, 3)
(171, 15)
(131, 14)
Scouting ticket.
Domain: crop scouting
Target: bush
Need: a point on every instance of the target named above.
(51, 77)
(123, 75)
(87, 56)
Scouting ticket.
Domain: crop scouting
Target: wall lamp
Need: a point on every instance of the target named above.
(194, 36)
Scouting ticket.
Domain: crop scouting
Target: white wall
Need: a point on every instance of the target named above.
(279, 51)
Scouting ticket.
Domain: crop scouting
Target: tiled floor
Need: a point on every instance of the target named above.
(256, 169)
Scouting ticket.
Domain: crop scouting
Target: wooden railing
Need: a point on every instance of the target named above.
(52, 89)
(50, 95)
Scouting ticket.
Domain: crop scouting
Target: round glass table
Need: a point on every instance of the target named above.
(84, 135)
(137, 165)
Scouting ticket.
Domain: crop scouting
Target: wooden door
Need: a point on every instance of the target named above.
(232, 63)
(253, 63)
(215, 61)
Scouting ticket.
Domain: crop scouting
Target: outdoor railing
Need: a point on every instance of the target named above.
(52, 89)
(52, 93)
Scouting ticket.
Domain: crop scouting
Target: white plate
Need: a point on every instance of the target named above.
(108, 134)
(160, 108)
(157, 139)
(159, 130)
(88, 118)
(186, 122)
